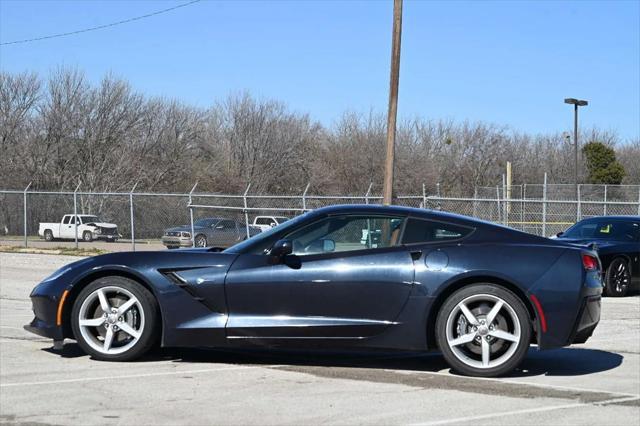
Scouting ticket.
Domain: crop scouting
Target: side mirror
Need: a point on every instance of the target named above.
(328, 245)
(272, 224)
(280, 249)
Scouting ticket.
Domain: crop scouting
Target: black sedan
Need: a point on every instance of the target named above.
(617, 241)
(337, 278)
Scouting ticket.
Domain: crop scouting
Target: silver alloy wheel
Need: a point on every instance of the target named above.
(111, 320)
(201, 241)
(480, 327)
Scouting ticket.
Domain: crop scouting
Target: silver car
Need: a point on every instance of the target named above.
(209, 232)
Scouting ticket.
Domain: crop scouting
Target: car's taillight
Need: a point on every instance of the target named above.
(589, 262)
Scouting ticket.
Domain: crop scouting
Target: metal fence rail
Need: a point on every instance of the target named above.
(143, 217)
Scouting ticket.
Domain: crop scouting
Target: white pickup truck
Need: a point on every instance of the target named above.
(267, 222)
(89, 228)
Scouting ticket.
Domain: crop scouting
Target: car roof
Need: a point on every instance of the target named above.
(617, 217)
(408, 211)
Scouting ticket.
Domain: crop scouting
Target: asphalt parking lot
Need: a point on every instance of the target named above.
(595, 383)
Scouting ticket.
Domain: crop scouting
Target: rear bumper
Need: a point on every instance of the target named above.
(588, 319)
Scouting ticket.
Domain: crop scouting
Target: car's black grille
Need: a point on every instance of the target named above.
(109, 231)
(173, 234)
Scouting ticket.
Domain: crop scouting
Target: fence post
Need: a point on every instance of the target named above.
(544, 206)
(605, 201)
(193, 240)
(638, 201)
(438, 189)
(498, 201)
(246, 212)
(424, 196)
(75, 213)
(505, 202)
(133, 231)
(366, 195)
(578, 206)
(304, 197)
(25, 212)
(475, 202)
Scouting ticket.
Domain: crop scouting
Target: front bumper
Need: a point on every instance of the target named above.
(176, 241)
(44, 323)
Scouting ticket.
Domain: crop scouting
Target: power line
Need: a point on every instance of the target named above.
(113, 24)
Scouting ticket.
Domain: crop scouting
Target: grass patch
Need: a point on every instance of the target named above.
(68, 251)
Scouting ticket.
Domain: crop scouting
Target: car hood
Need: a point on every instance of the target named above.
(140, 263)
(184, 228)
(102, 224)
(586, 242)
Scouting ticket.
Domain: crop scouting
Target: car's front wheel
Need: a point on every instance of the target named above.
(87, 236)
(483, 330)
(201, 241)
(115, 319)
(617, 278)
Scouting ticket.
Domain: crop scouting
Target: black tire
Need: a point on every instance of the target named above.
(149, 332)
(514, 354)
(617, 278)
(200, 240)
(87, 236)
(48, 235)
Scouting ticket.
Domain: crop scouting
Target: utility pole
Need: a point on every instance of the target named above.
(393, 102)
(576, 103)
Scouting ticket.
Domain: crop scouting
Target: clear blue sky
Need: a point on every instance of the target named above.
(505, 62)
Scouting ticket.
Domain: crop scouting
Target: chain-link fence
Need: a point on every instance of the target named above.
(154, 220)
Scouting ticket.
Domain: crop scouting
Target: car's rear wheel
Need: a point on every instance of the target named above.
(483, 330)
(87, 236)
(201, 241)
(48, 235)
(617, 278)
(115, 319)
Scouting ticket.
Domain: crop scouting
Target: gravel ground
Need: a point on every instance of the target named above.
(596, 383)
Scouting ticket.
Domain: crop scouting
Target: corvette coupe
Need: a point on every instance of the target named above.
(355, 277)
(617, 241)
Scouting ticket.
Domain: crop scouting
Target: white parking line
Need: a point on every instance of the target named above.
(132, 376)
(523, 411)
(516, 382)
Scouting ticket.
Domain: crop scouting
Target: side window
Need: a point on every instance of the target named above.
(425, 231)
(263, 221)
(347, 233)
(65, 220)
(226, 225)
(72, 220)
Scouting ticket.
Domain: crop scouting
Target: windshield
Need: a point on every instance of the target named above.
(89, 219)
(605, 230)
(265, 235)
(205, 223)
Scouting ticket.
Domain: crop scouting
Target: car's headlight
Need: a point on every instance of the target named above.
(97, 231)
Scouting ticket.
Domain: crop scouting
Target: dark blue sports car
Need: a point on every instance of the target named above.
(617, 241)
(337, 278)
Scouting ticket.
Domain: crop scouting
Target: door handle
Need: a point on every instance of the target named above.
(415, 255)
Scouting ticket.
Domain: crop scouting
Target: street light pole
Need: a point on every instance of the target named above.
(393, 102)
(576, 103)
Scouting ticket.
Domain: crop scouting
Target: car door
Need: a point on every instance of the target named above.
(68, 227)
(335, 284)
